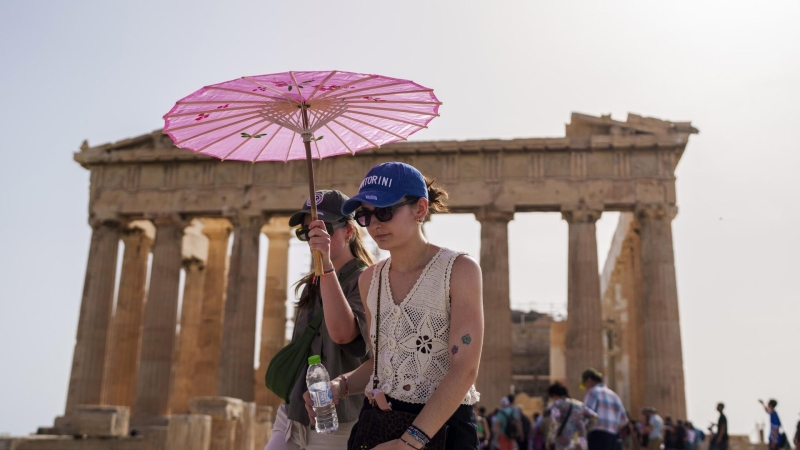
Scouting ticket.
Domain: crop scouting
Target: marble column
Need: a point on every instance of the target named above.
(662, 354)
(186, 349)
(160, 316)
(209, 338)
(122, 364)
(494, 376)
(273, 322)
(584, 337)
(236, 368)
(88, 359)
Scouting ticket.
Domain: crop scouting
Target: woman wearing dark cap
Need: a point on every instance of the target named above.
(430, 308)
(340, 340)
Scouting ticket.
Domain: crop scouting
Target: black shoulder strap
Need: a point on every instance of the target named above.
(566, 418)
(377, 329)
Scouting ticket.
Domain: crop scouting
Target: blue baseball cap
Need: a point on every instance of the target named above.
(386, 184)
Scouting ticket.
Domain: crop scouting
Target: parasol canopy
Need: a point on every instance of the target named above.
(268, 117)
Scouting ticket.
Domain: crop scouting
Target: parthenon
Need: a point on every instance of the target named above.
(181, 209)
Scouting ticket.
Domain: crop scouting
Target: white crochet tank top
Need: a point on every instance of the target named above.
(413, 355)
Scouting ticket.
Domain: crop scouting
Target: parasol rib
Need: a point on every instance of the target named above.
(384, 94)
(265, 145)
(389, 118)
(284, 95)
(380, 86)
(316, 146)
(239, 92)
(346, 85)
(393, 110)
(297, 87)
(291, 143)
(337, 136)
(206, 122)
(374, 126)
(216, 129)
(215, 102)
(354, 132)
(316, 89)
(341, 140)
(326, 115)
(408, 102)
(244, 141)
(225, 137)
(209, 111)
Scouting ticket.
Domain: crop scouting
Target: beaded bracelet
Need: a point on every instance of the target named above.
(346, 386)
(409, 444)
(419, 435)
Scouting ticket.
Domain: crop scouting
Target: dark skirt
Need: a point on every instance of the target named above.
(462, 431)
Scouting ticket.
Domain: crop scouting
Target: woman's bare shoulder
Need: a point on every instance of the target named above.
(365, 278)
(466, 266)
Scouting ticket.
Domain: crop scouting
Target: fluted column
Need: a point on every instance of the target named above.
(239, 327)
(494, 375)
(584, 339)
(273, 322)
(88, 359)
(209, 338)
(186, 349)
(122, 363)
(160, 316)
(663, 355)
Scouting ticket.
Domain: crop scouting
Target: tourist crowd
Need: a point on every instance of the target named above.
(601, 422)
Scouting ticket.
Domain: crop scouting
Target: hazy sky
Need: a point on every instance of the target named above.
(106, 71)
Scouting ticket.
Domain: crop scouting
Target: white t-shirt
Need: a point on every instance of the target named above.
(658, 427)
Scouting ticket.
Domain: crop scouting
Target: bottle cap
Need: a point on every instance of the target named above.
(315, 359)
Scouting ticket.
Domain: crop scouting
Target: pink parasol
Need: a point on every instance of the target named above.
(299, 115)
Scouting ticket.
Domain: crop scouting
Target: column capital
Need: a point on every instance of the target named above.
(145, 227)
(247, 219)
(217, 228)
(169, 220)
(192, 264)
(494, 214)
(581, 214)
(112, 220)
(133, 234)
(278, 228)
(654, 211)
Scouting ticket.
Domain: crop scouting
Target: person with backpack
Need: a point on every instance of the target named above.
(570, 419)
(507, 426)
(525, 425)
(777, 439)
(331, 307)
(484, 433)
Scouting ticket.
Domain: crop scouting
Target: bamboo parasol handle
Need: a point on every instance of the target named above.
(312, 193)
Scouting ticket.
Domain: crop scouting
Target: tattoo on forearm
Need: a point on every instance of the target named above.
(466, 339)
(454, 349)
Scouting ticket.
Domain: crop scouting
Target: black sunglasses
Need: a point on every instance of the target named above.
(302, 231)
(364, 217)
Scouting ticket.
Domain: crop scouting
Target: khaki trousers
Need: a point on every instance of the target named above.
(654, 444)
(290, 435)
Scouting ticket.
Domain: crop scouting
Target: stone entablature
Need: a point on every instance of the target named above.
(147, 175)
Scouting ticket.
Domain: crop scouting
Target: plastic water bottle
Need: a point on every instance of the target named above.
(319, 388)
